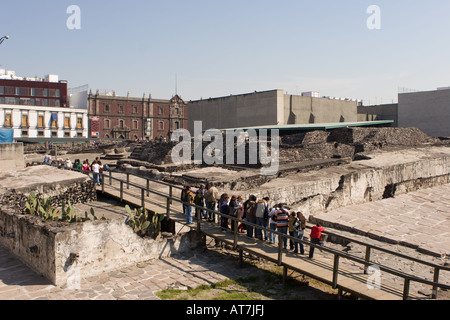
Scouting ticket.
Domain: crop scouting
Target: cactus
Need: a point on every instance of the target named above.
(44, 209)
(156, 224)
(139, 220)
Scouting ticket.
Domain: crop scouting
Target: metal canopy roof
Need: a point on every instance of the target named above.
(316, 126)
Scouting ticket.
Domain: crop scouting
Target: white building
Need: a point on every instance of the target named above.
(44, 122)
(39, 107)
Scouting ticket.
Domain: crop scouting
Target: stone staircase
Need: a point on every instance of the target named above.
(137, 151)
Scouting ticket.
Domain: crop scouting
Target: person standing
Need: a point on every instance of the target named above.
(224, 208)
(273, 224)
(182, 198)
(293, 220)
(96, 172)
(282, 219)
(234, 212)
(211, 197)
(261, 214)
(250, 214)
(240, 214)
(316, 238)
(189, 200)
(299, 230)
(202, 192)
(198, 201)
(100, 169)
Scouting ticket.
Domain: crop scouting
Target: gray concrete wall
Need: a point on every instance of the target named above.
(379, 112)
(254, 109)
(428, 111)
(303, 110)
(11, 156)
(268, 108)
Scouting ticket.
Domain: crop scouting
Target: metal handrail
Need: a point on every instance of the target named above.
(337, 254)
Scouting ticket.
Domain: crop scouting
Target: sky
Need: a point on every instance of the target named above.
(210, 48)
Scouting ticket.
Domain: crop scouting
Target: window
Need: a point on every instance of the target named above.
(135, 109)
(135, 124)
(2, 90)
(40, 133)
(58, 93)
(79, 123)
(40, 121)
(24, 133)
(177, 125)
(24, 120)
(161, 125)
(33, 92)
(107, 124)
(121, 124)
(121, 108)
(67, 122)
(45, 92)
(160, 110)
(8, 120)
(17, 91)
(106, 108)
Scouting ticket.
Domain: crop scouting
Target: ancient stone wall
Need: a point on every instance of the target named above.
(75, 192)
(64, 253)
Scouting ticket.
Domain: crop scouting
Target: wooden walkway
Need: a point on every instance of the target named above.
(333, 274)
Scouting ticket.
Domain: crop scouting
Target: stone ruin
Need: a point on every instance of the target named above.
(303, 151)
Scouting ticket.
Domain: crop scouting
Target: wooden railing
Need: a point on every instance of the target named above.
(145, 191)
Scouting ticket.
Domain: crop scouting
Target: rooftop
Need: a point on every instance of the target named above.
(317, 126)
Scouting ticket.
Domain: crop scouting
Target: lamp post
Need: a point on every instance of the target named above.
(3, 39)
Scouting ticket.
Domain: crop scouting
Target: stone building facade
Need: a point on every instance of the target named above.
(131, 118)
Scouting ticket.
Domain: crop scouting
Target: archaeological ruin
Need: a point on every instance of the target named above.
(319, 171)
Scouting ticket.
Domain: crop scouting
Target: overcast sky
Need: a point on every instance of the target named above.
(217, 48)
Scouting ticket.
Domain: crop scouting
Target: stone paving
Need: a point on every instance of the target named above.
(419, 220)
(139, 282)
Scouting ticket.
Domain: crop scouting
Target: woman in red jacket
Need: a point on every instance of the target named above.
(316, 238)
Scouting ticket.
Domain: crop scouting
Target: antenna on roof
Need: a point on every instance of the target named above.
(176, 84)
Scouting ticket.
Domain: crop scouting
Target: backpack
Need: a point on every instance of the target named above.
(260, 209)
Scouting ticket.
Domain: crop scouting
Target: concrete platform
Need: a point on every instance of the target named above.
(419, 220)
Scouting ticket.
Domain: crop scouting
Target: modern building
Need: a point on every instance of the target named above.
(426, 110)
(270, 108)
(130, 118)
(379, 113)
(38, 108)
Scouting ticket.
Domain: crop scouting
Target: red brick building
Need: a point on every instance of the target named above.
(33, 93)
(131, 118)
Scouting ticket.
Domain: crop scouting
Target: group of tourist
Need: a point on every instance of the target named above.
(96, 167)
(258, 212)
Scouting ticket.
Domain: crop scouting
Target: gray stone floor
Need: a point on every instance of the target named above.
(419, 219)
(139, 282)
